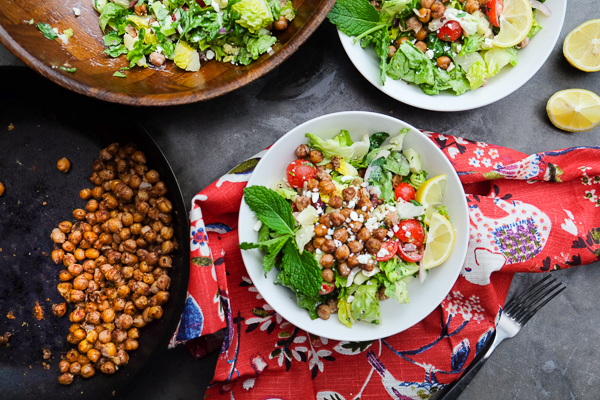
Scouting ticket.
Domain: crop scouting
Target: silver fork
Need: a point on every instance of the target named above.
(514, 315)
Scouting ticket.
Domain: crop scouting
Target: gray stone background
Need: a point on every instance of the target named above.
(556, 354)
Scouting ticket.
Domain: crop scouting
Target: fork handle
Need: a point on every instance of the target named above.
(455, 389)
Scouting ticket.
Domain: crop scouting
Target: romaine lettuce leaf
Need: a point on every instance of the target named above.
(365, 306)
(254, 14)
(332, 147)
(497, 58)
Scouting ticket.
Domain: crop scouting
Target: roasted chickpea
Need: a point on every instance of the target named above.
(437, 10)
(427, 3)
(342, 252)
(1, 189)
(108, 368)
(57, 255)
(329, 246)
(323, 311)
(316, 156)
(87, 371)
(341, 235)
(327, 260)
(63, 165)
(63, 366)
(422, 34)
(59, 310)
(343, 269)
(79, 214)
(352, 261)
(327, 274)
(326, 187)
(391, 51)
(472, 6)
(380, 233)
(355, 226)
(131, 344)
(424, 17)
(65, 379)
(84, 346)
(443, 62)
(335, 201)
(421, 45)
(281, 24)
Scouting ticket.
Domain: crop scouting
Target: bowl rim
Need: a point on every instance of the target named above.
(168, 99)
(332, 333)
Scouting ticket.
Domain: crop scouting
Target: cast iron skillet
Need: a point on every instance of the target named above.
(50, 124)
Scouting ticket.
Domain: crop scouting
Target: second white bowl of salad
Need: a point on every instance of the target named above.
(354, 226)
(448, 55)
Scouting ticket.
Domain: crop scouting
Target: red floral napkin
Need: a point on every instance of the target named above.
(528, 213)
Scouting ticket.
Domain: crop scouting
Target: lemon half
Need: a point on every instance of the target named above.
(582, 46)
(574, 110)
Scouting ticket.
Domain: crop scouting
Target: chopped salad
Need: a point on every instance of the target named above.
(191, 32)
(441, 45)
(343, 228)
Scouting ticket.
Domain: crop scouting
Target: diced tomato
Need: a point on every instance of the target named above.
(391, 246)
(494, 9)
(411, 231)
(326, 288)
(300, 171)
(411, 256)
(450, 32)
(405, 191)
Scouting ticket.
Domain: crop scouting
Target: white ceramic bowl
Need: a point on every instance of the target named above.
(424, 297)
(509, 79)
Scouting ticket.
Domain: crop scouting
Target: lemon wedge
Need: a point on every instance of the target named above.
(430, 193)
(582, 46)
(574, 110)
(515, 22)
(439, 243)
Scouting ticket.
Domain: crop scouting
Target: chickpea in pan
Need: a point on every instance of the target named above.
(116, 259)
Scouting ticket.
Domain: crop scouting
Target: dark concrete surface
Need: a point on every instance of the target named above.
(556, 355)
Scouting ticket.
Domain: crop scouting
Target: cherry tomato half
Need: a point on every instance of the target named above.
(450, 32)
(412, 255)
(494, 9)
(300, 171)
(391, 246)
(405, 191)
(411, 231)
(326, 288)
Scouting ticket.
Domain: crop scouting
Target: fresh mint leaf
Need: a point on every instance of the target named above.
(272, 247)
(302, 269)
(119, 74)
(71, 70)
(377, 139)
(354, 17)
(47, 30)
(272, 209)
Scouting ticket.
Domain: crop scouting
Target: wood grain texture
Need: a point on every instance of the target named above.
(167, 85)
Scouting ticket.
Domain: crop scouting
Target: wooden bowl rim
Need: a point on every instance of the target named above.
(169, 99)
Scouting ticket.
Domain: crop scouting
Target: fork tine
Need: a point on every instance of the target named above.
(532, 300)
(517, 301)
(557, 290)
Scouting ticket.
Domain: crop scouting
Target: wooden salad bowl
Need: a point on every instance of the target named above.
(151, 86)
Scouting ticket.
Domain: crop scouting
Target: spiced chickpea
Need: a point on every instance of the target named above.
(335, 201)
(392, 51)
(327, 274)
(79, 214)
(84, 346)
(325, 219)
(352, 261)
(337, 218)
(327, 260)
(155, 312)
(57, 255)
(108, 368)
(343, 269)
(421, 45)
(320, 230)
(329, 246)
(427, 3)
(63, 165)
(59, 310)
(373, 245)
(93, 355)
(364, 234)
(131, 344)
(323, 311)
(401, 40)
(369, 265)
(342, 253)
(326, 187)
(355, 246)
(333, 305)
(302, 151)
(443, 62)
(355, 226)
(1, 189)
(302, 202)
(87, 371)
(316, 156)
(380, 233)
(424, 17)
(341, 235)
(472, 6)
(63, 366)
(422, 34)
(65, 379)
(437, 10)
(346, 212)
(75, 368)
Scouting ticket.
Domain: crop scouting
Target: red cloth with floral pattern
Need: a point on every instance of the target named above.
(531, 213)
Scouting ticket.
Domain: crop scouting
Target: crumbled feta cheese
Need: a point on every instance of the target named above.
(351, 204)
(353, 216)
(330, 231)
(327, 236)
(347, 178)
(257, 225)
(76, 11)
(396, 228)
(458, 47)
(337, 243)
(364, 208)
(390, 233)
(363, 258)
(383, 252)
(348, 220)
(318, 251)
(429, 53)
(350, 299)
(450, 67)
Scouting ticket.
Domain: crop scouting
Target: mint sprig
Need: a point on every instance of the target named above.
(355, 17)
(276, 214)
